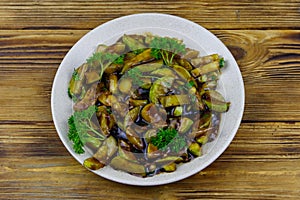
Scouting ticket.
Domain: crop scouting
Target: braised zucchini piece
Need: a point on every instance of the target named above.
(132, 43)
(93, 164)
(210, 67)
(123, 164)
(174, 100)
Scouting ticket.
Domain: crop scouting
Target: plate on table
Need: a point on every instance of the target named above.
(195, 37)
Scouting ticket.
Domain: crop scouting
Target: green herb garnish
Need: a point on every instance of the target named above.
(80, 124)
(75, 75)
(138, 51)
(74, 136)
(168, 138)
(177, 144)
(135, 74)
(222, 62)
(103, 60)
(119, 60)
(191, 83)
(166, 48)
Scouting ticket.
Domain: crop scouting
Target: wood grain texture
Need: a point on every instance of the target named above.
(214, 14)
(269, 62)
(263, 160)
(267, 166)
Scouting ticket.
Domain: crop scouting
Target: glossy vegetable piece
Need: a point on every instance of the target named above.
(184, 63)
(105, 98)
(171, 167)
(131, 116)
(148, 37)
(146, 82)
(92, 76)
(120, 108)
(174, 123)
(215, 95)
(112, 146)
(124, 144)
(88, 99)
(178, 111)
(169, 159)
(212, 76)
(159, 88)
(168, 72)
(117, 48)
(205, 121)
(150, 133)
(174, 100)
(112, 68)
(134, 138)
(101, 48)
(151, 168)
(149, 67)
(106, 150)
(113, 83)
(195, 149)
(91, 141)
(152, 151)
(143, 57)
(125, 85)
(210, 67)
(138, 102)
(103, 124)
(202, 139)
(128, 155)
(111, 120)
(192, 91)
(123, 164)
(76, 82)
(93, 164)
(185, 125)
(190, 54)
(182, 72)
(218, 106)
(211, 85)
(154, 114)
(132, 43)
(197, 62)
(198, 132)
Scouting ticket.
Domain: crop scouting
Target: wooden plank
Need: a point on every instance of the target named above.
(33, 139)
(263, 160)
(26, 93)
(69, 181)
(269, 61)
(261, 141)
(215, 14)
(280, 139)
(270, 66)
(36, 47)
(260, 155)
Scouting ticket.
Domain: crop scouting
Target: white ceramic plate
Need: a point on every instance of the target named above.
(194, 36)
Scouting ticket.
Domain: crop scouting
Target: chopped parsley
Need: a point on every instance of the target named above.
(135, 74)
(80, 124)
(166, 48)
(168, 138)
(103, 60)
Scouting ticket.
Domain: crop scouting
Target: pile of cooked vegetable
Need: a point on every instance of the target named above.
(145, 104)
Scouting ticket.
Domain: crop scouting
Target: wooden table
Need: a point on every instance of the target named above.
(262, 162)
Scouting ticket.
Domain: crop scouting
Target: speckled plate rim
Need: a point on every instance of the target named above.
(194, 36)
